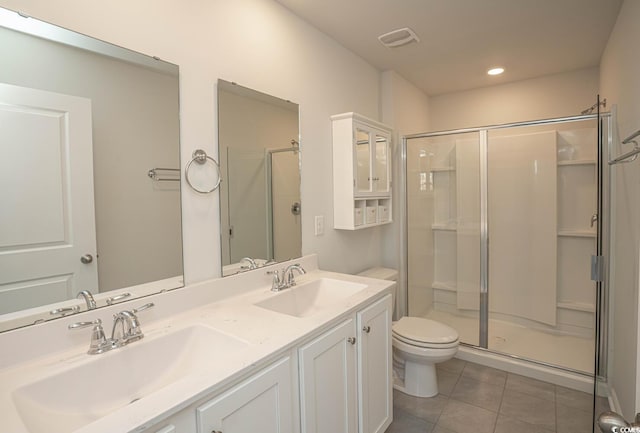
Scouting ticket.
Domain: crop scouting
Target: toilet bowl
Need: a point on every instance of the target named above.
(418, 345)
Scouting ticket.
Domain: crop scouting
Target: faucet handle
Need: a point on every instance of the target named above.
(143, 307)
(78, 325)
(113, 299)
(99, 342)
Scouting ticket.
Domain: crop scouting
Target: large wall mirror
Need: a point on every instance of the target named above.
(260, 165)
(89, 172)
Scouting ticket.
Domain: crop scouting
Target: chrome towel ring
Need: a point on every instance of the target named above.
(201, 157)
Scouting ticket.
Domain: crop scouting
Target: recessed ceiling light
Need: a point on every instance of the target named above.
(495, 71)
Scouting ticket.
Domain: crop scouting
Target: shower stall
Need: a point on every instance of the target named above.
(504, 237)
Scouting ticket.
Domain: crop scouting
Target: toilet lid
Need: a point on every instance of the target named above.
(422, 330)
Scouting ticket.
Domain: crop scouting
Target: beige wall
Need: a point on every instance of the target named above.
(406, 109)
(550, 96)
(619, 72)
(261, 45)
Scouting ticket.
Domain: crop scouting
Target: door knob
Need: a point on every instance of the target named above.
(86, 259)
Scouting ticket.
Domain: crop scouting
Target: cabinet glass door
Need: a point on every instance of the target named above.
(363, 161)
(381, 176)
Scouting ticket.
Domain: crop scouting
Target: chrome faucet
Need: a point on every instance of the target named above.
(252, 263)
(285, 279)
(287, 274)
(130, 330)
(88, 298)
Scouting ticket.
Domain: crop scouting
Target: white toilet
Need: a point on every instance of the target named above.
(418, 345)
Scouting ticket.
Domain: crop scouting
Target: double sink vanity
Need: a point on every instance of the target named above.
(226, 355)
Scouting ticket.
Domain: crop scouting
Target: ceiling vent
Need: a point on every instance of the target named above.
(398, 38)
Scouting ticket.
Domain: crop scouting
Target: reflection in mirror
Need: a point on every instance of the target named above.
(363, 167)
(82, 123)
(260, 192)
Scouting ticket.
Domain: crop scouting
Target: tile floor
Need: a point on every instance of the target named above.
(479, 399)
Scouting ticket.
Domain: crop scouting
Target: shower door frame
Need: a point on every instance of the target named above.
(602, 238)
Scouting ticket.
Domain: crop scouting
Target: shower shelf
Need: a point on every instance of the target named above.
(577, 306)
(577, 233)
(448, 286)
(444, 227)
(442, 169)
(577, 162)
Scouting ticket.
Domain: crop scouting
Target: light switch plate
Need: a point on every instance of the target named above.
(319, 225)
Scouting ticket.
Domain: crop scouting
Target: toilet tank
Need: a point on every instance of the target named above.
(384, 274)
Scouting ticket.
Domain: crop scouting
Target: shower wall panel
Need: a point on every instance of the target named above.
(522, 203)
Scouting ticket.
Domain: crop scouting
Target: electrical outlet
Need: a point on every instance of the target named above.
(319, 225)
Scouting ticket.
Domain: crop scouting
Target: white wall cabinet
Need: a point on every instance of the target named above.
(262, 403)
(361, 172)
(345, 375)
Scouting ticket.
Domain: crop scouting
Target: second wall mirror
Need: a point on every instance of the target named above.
(260, 165)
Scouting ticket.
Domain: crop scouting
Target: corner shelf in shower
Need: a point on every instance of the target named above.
(577, 162)
(444, 227)
(577, 233)
(576, 306)
(449, 286)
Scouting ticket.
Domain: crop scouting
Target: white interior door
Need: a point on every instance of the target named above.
(47, 218)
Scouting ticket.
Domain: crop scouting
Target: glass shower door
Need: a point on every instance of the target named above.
(443, 223)
(542, 209)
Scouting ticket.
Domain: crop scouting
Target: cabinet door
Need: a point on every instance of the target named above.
(262, 404)
(328, 382)
(375, 393)
(381, 162)
(362, 159)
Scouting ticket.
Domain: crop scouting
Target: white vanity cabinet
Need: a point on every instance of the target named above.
(375, 381)
(328, 381)
(361, 172)
(345, 375)
(263, 403)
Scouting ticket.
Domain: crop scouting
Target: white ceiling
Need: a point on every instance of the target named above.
(461, 39)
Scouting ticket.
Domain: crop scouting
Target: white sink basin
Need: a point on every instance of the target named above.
(66, 401)
(310, 298)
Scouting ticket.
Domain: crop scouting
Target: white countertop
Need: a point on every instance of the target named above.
(231, 310)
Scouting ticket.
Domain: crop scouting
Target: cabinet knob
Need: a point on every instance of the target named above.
(366, 329)
(216, 431)
(352, 340)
